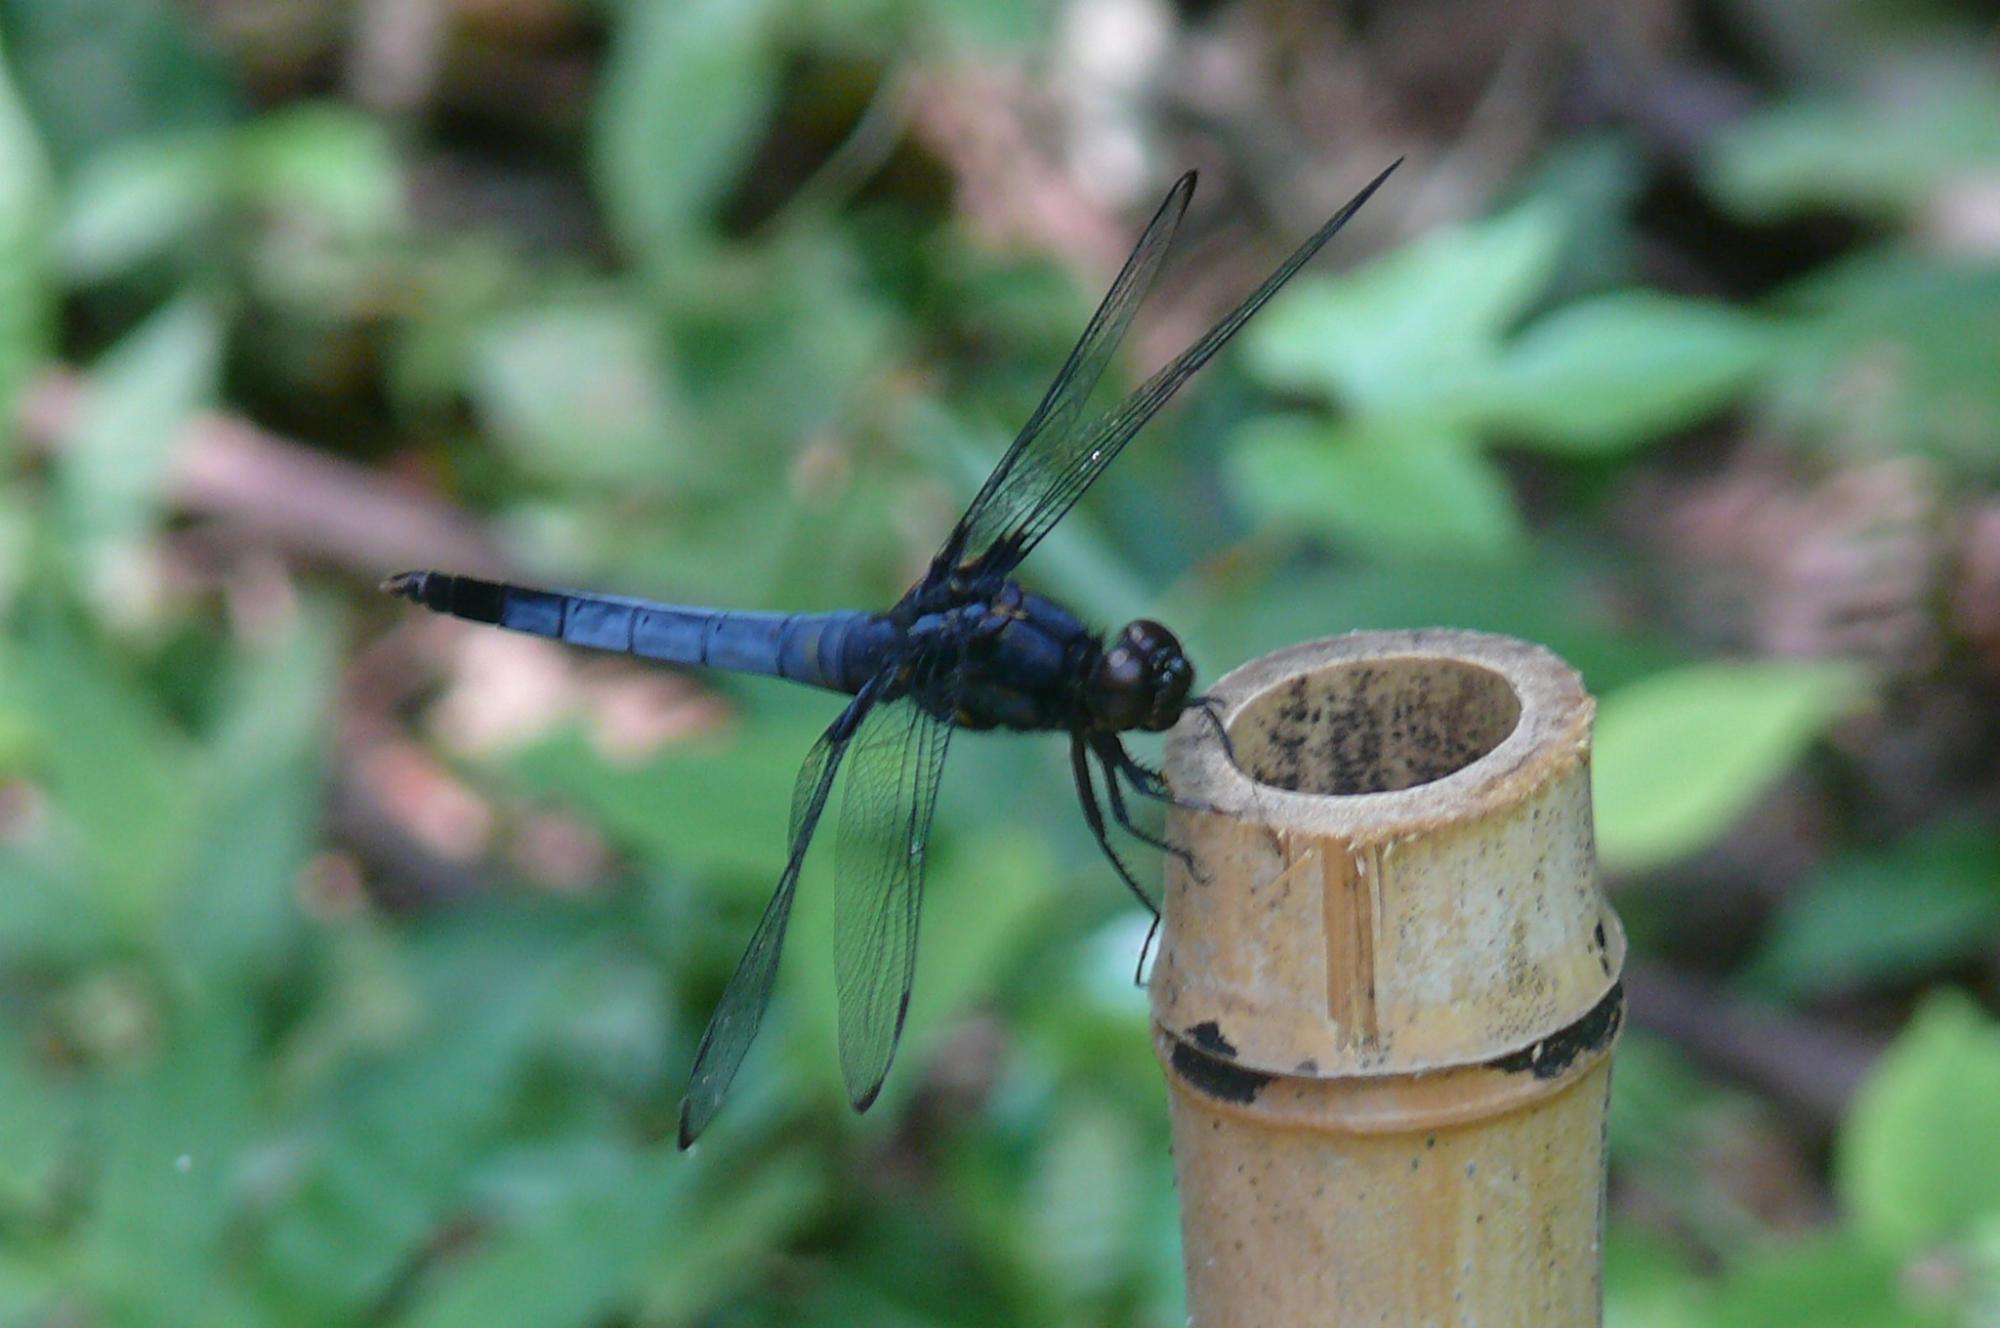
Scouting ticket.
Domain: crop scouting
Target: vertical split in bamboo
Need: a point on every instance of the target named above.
(1388, 989)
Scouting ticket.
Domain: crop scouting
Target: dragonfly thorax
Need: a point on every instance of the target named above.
(1017, 660)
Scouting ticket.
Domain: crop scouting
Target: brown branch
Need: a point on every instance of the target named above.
(284, 494)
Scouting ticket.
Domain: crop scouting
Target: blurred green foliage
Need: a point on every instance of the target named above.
(264, 1062)
(1680, 755)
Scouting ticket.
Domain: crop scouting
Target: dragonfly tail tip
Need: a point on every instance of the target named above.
(404, 585)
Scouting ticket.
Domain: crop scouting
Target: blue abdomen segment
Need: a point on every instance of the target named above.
(832, 650)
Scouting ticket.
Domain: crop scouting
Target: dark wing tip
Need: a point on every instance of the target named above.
(866, 1097)
(1176, 201)
(1354, 205)
(694, 1119)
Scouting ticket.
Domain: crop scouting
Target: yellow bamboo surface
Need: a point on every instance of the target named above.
(1387, 989)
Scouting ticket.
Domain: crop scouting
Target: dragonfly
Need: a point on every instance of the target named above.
(966, 647)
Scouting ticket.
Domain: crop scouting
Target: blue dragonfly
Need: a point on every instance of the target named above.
(966, 647)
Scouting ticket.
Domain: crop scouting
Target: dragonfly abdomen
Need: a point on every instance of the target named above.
(819, 649)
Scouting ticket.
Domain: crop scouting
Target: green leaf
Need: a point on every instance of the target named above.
(1648, 1283)
(988, 898)
(743, 1223)
(34, 1288)
(263, 786)
(36, 1125)
(1830, 1281)
(49, 910)
(1413, 323)
(1680, 756)
(135, 201)
(1875, 160)
(119, 772)
(579, 1232)
(27, 303)
(1890, 355)
(1924, 904)
(96, 71)
(803, 312)
(330, 164)
(1597, 179)
(1612, 372)
(574, 392)
(689, 86)
(115, 463)
(716, 801)
(1915, 1163)
(18, 529)
(167, 1150)
(976, 23)
(1402, 486)
(572, 1256)
(402, 1131)
(1084, 1190)
(1659, 1107)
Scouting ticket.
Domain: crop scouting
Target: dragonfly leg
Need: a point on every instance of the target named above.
(1146, 781)
(1093, 816)
(1107, 757)
(1211, 711)
(1118, 810)
(1145, 948)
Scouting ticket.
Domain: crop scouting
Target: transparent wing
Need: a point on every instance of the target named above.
(738, 1014)
(1034, 497)
(885, 826)
(1051, 430)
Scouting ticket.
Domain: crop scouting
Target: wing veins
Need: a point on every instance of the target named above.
(883, 849)
(1109, 434)
(733, 1025)
(1055, 417)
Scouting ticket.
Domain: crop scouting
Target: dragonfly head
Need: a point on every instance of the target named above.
(1142, 679)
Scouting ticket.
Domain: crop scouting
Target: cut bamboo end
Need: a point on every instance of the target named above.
(1387, 988)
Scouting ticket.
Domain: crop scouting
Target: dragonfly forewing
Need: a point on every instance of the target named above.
(1046, 480)
(1061, 409)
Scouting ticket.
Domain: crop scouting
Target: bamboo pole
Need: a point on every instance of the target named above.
(1387, 990)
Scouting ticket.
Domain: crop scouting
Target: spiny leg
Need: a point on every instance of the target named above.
(1096, 817)
(1107, 756)
(1118, 810)
(1146, 781)
(1093, 816)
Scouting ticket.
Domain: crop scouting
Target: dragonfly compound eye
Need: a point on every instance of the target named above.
(1142, 681)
